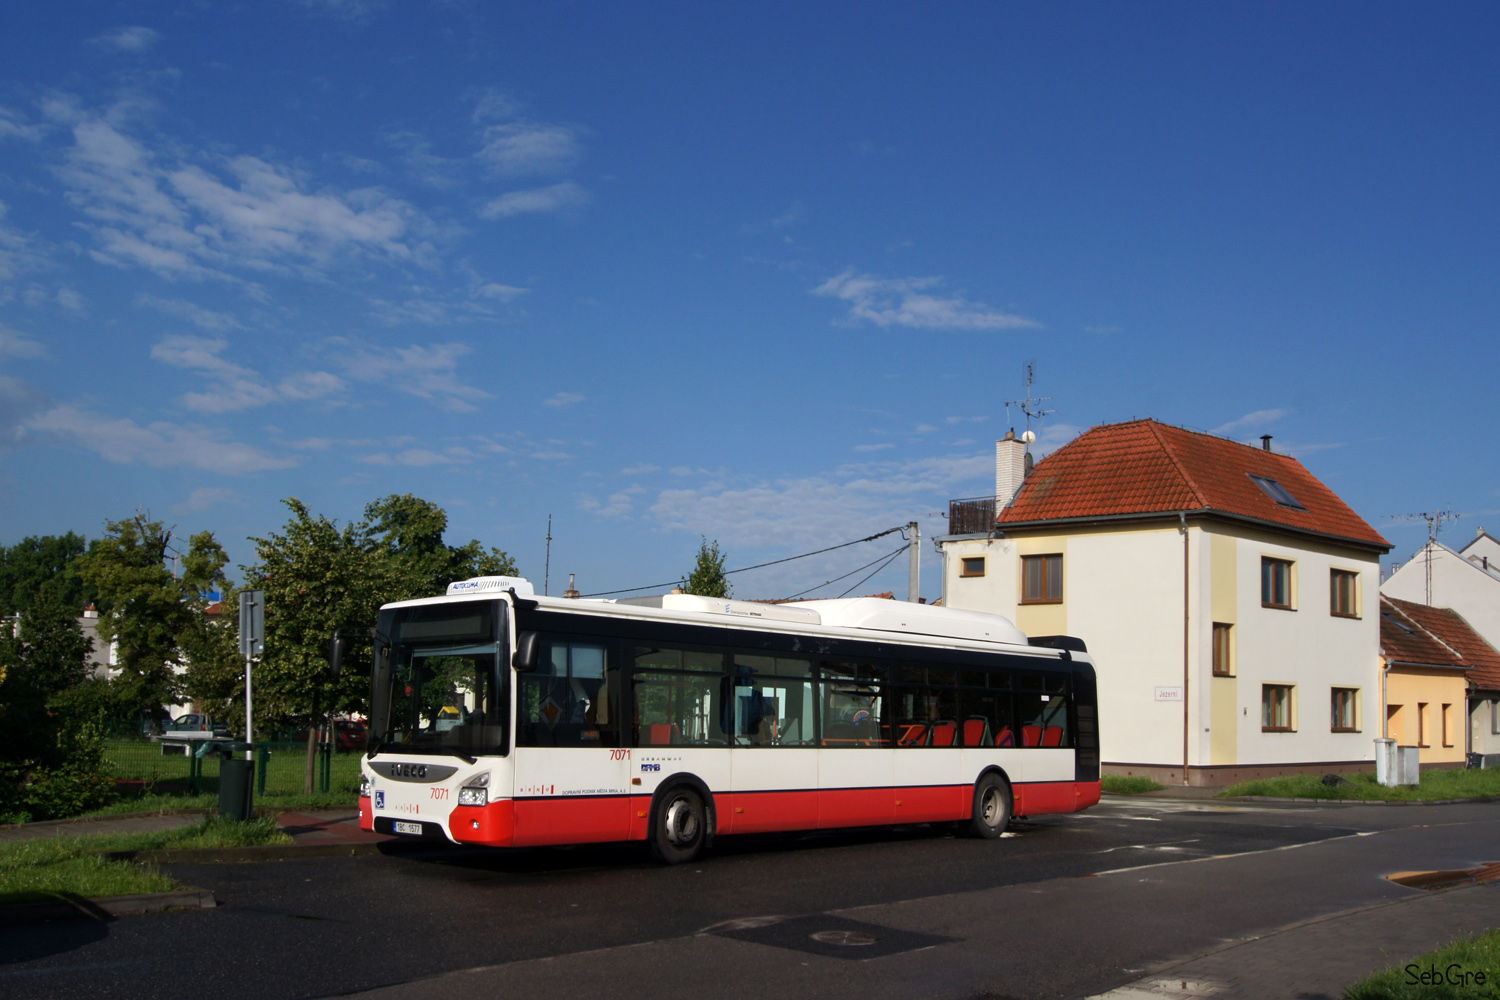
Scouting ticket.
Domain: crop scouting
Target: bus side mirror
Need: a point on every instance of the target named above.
(524, 658)
(336, 648)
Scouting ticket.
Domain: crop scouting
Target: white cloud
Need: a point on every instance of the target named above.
(19, 399)
(418, 457)
(547, 199)
(527, 148)
(504, 293)
(565, 399)
(130, 38)
(426, 372)
(19, 252)
(882, 446)
(204, 215)
(206, 319)
(159, 445)
(906, 302)
(1259, 418)
(798, 515)
(205, 497)
(640, 470)
(14, 345)
(235, 387)
(11, 127)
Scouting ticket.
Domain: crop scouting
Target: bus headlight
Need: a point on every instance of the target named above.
(476, 791)
(365, 786)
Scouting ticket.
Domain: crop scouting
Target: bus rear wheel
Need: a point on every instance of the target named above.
(680, 826)
(992, 807)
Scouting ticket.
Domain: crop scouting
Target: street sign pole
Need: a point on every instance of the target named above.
(252, 644)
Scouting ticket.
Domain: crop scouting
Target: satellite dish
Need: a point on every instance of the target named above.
(1028, 436)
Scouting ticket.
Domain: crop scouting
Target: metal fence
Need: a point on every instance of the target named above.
(173, 766)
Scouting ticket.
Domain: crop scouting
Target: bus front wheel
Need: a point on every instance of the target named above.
(680, 828)
(992, 807)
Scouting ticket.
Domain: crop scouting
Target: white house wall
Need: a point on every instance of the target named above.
(1123, 594)
(1456, 583)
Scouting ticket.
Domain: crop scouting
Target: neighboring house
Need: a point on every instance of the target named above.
(1227, 596)
(101, 654)
(1468, 582)
(1430, 656)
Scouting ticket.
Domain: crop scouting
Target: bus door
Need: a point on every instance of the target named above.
(774, 757)
(856, 759)
(572, 772)
(930, 784)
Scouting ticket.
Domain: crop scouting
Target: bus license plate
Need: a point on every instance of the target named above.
(409, 828)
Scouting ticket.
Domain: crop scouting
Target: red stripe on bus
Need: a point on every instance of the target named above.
(366, 814)
(597, 819)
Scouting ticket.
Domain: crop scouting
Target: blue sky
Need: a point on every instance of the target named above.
(764, 273)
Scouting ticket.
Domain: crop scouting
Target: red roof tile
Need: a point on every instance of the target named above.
(1144, 467)
(1438, 637)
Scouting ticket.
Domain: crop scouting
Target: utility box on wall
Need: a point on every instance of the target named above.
(1396, 765)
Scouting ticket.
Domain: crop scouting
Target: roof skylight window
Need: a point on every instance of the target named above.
(1277, 492)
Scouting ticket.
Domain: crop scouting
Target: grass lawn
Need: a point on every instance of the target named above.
(53, 867)
(1436, 784)
(1452, 972)
(1122, 785)
(142, 764)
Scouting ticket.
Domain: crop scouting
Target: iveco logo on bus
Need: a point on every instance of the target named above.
(408, 770)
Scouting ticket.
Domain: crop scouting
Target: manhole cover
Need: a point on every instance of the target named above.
(846, 939)
(1488, 872)
(824, 934)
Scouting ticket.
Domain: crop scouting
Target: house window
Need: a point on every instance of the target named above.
(1345, 710)
(1275, 583)
(1276, 708)
(1495, 717)
(1277, 492)
(1421, 723)
(1041, 579)
(1447, 718)
(1223, 650)
(972, 566)
(1343, 594)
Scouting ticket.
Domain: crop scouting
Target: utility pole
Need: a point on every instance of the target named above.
(252, 644)
(914, 563)
(547, 571)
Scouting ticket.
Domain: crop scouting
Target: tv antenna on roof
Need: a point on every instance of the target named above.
(1031, 405)
(1434, 521)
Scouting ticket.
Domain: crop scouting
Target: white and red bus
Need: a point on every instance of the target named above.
(502, 718)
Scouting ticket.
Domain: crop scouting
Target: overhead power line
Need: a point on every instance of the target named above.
(746, 569)
(883, 559)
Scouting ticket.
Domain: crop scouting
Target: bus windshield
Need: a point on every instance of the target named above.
(438, 682)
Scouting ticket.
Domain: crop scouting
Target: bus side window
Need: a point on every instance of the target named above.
(851, 700)
(673, 709)
(560, 702)
(772, 701)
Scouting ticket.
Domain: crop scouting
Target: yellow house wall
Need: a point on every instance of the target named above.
(1224, 712)
(1408, 687)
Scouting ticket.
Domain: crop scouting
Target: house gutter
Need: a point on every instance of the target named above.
(1018, 525)
(1186, 643)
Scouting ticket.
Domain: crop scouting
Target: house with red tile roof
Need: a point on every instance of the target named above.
(1466, 581)
(1430, 658)
(1229, 598)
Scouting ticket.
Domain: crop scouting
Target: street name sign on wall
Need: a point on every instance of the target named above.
(1169, 694)
(252, 623)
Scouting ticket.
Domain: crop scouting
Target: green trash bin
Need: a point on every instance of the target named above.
(236, 782)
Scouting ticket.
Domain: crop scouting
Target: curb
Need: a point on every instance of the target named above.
(105, 908)
(1360, 802)
(260, 852)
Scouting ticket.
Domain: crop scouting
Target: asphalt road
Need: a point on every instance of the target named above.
(332, 926)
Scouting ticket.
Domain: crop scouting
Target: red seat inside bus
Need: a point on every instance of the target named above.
(1052, 737)
(1031, 736)
(976, 731)
(913, 735)
(943, 734)
(1005, 738)
(663, 733)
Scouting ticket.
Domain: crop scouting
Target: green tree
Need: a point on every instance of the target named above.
(145, 613)
(707, 578)
(37, 563)
(408, 531)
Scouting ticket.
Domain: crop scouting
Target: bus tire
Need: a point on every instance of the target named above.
(992, 807)
(679, 826)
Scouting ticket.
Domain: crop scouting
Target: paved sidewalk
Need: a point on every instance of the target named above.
(309, 828)
(327, 826)
(1320, 958)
